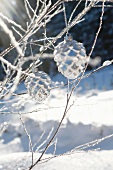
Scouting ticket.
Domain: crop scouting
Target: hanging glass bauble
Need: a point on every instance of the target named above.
(38, 86)
(70, 57)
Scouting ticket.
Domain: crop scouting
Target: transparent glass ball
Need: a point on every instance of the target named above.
(70, 57)
(38, 87)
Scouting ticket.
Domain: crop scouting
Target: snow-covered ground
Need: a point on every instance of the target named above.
(89, 119)
(93, 160)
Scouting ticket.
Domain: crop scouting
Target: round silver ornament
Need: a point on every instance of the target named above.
(70, 57)
(38, 86)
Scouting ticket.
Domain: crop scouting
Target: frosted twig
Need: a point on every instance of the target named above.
(39, 139)
(17, 31)
(100, 26)
(27, 4)
(12, 22)
(65, 16)
(42, 144)
(92, 143)
(55, 146)
(12, 38)
(34, 13)
(100, 6)
(29, 138)
(70, 18)
(16, 81)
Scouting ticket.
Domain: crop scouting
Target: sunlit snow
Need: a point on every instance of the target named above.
(90, 118)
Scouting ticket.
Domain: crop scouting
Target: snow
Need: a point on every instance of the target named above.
(89, 119)
(92, 160)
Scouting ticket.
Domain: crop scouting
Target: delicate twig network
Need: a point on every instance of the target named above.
(69, 55)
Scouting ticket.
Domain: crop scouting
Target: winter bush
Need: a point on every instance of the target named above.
(22, 59)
